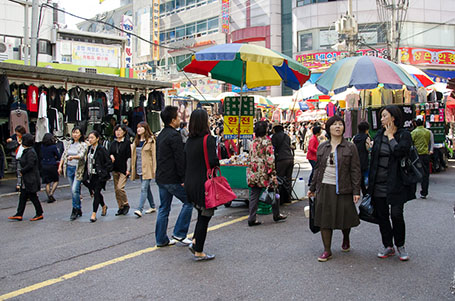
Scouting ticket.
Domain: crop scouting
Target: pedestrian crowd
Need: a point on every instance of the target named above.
(342, 171)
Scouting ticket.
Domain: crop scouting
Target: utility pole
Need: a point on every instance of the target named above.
(347, 29)
(26, 38)
(393, 38)
(34, 37)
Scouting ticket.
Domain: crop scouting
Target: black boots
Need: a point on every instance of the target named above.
(75, 214)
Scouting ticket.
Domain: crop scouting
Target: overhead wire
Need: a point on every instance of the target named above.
(119, 29)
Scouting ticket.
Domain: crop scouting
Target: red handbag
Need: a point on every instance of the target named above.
(217, 189)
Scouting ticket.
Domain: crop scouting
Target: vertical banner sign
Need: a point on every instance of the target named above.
(144, 47)
(231, 117)
(155, 29)
(127, 25)
(225, 16)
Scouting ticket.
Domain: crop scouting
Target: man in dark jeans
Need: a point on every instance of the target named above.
(284, 161)
(421, 138)
(170, 175)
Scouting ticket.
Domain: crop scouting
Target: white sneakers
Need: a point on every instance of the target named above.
(138, 213)
(186, 241)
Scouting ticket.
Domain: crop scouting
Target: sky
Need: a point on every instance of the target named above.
(86, 9)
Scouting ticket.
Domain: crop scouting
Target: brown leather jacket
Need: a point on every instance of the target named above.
(348, 168)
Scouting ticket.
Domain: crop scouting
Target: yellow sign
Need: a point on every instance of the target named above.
(231, 127)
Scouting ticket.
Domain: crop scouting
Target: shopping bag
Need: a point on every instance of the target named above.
(217, 189)
(366, 210)
(313, 228)
(268, 197)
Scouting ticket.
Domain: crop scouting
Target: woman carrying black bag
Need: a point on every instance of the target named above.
(97, 172)
(386, 186)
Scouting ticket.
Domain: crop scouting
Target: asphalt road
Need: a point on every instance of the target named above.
(115, 258)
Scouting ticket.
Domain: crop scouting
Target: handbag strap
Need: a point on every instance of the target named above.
(206, 154)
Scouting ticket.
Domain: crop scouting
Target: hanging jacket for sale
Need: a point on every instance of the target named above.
(155, 101)
(32, 98)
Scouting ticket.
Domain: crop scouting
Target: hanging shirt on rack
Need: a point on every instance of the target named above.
(79, 94)
(72, 111)
(32, 98)
(59, 131)
(117, 98)
(352, 101)
(42, 124)
(18, 117)
(5, 92)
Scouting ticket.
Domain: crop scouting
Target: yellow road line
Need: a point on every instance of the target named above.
(101, 265)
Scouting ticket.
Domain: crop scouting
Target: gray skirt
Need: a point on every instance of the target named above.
(335, 211)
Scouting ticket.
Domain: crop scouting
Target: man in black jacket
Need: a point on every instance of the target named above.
(284, 161)
(170, 175)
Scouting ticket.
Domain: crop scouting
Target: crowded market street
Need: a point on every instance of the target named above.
(116, 257)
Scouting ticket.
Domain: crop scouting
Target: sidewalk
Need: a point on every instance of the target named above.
(8, 185)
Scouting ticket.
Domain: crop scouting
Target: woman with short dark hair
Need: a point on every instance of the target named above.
(30, 180)
(97, 172)
(385, 185)
(261, 173)
(196, 175)
(336, 185)
(50, 157)
(120, 154)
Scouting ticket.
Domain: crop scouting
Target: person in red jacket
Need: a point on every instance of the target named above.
(312, 150)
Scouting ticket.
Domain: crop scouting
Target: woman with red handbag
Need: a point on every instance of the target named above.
(196, 176)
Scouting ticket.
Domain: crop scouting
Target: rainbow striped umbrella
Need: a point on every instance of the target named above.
(421, 77)
(249, 64)
(364, 72)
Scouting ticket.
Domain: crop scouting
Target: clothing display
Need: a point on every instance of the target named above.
(32, 98)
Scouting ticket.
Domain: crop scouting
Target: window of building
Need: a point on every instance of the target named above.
(305, 2)
(306, 41)
(212, 24)
(327, 38)
(201, 26)
(44, 47)
(180, 32)
(190, 29)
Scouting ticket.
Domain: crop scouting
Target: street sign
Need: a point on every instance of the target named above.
(231, 117)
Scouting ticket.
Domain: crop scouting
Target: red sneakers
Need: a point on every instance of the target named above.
(345, 247)
(15, 217)
(325, 256)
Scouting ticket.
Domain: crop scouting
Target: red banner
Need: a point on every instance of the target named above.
(425, 56)
(326, 59)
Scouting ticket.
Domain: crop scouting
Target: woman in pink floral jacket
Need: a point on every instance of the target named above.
(261, 173)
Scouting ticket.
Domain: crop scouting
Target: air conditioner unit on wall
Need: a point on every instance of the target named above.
(87, 70)
(6, 51)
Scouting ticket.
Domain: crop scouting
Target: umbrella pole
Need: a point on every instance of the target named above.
(241, 102)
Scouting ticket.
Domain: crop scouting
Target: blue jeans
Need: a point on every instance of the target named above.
(167, 191)
(75, 186)
(146, 193)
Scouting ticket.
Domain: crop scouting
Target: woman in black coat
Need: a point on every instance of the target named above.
(196, 175)
(30, 180)
(97, 172)
(386, 186)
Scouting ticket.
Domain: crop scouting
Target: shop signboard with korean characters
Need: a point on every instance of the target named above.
(231, 117)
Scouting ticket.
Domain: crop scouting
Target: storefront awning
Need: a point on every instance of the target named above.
(444, 75)
(64, 77)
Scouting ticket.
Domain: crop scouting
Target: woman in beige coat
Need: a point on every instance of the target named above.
(143, 164)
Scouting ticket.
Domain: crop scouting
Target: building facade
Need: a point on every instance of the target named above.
(427, 35)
